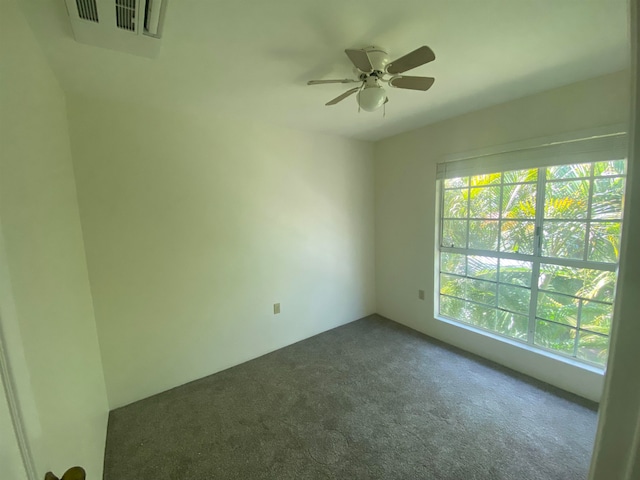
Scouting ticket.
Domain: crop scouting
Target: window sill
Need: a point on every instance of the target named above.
(523, 346)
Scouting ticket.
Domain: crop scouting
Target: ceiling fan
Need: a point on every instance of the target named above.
(372, 67)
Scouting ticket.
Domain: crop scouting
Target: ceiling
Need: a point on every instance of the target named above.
(252, 58)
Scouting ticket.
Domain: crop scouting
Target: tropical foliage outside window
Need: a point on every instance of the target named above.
(533, 254)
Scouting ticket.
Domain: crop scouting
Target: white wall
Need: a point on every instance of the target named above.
(45, 302)
(617, 449)
(16, 379)
(10, 456)
(405, 208)
(195, 227)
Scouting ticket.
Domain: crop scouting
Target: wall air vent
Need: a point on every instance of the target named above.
(87, 10)
(131, 26)
(126, 14)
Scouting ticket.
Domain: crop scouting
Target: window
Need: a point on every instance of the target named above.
(532, 254)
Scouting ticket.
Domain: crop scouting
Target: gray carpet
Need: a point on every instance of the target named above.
(368, 400)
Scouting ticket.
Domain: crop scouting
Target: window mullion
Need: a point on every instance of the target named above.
(499, 243)
(441, 222)
(537, 252)
(585, 253)
(466, 257)
(440, 186)
(500, 213)
(468, 211)
(578, 322)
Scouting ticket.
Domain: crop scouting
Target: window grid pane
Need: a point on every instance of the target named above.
(560, 225)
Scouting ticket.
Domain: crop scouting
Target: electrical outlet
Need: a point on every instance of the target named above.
(276, 308)
(421, 294)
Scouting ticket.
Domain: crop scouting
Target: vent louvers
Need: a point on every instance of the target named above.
(126, 14)
(87, 10)
(131, 26)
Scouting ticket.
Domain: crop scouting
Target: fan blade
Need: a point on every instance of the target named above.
(411, 60)
(321, 82)
(360, 59)
(412, 83)
(343, 96)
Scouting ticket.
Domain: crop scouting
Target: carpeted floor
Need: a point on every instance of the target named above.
(370, 400)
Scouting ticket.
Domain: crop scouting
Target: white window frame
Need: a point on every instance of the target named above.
(530, 154)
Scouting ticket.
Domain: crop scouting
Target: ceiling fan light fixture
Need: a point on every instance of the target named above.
(371, 98)
(372, 67)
